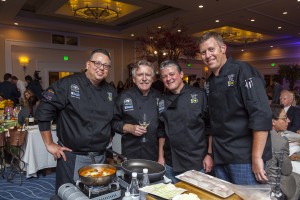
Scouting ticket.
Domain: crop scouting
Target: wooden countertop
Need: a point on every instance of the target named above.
(202, 194)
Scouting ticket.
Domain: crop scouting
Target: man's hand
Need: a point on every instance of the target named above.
(208, 163)
(57, 151)
(136, 130)
(258, 170)
(161, 160)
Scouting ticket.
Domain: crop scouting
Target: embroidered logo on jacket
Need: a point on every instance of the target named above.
(75, 91)
(194, 98)
(230, 82)
(161, 105)
(48, 94)
(128, 105)
(206, 88)
(109, 96)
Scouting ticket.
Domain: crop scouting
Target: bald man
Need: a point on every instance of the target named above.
(293, 113)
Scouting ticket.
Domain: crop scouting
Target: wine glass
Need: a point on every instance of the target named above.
(144, 122)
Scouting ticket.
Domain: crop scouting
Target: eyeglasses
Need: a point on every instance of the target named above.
(99, 64)
(283, 118)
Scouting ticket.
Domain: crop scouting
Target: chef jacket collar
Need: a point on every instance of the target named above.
(223, 69)
(89, 83)
(173, 98)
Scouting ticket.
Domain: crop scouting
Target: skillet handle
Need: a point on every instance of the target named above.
(119, 155)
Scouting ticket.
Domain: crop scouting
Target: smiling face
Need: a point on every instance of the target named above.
(143, 78)
(95, 73)
(213, 54)
(172, 78)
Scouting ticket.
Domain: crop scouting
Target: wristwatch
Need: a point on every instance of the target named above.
(210, 154)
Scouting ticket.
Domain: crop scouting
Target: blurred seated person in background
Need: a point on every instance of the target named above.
(9, 90)
(138, 142)
(120, 87)
(112, 84)
(269, 91)
(293, 113)
(27, 94)
(158, 84)
(20, 85)
(197, 83)
(1, 96)
(202, 82)
(34, 86)
(33, 102)
(276, 90)
(289, 181)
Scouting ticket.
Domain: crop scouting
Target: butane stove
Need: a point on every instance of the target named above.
(69, 191)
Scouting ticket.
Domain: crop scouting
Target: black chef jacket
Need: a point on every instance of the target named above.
(129, 108)
(183, 116)
(85, 112)
(238, 104)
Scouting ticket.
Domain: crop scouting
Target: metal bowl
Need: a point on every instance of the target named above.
(96, 181)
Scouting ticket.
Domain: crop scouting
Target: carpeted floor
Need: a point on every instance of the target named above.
(32, 188)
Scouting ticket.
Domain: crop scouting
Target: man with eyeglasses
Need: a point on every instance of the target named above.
(84, 103)
(280, 168)
(293, 113)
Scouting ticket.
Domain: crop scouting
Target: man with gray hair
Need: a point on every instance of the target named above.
(293, 113)
(140, 138)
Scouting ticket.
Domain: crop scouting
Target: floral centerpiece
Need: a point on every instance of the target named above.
(6, 103)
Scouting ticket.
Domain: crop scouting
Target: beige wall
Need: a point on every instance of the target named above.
(45, 56)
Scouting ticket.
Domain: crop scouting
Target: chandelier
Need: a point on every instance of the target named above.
(93, 10)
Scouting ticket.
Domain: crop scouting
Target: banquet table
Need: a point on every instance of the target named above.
(294, 145)
(36, 156)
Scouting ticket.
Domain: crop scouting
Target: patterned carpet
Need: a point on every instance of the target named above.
(32, 188)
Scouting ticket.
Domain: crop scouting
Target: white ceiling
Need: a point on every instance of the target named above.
(234, 13)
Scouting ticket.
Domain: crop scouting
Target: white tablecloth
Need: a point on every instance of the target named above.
(294, 139)
(36, 156)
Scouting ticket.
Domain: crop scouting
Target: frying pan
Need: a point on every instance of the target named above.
(96, 181)
(155, 170)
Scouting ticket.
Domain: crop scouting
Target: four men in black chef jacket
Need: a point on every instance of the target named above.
(177, 133)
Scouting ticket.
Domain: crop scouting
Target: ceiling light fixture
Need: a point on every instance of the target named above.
(132, 35)
(93, 10)
(201, 6)
(279, 27)
(285, 13)
(217, 21)
(252, 20)
(16, 23)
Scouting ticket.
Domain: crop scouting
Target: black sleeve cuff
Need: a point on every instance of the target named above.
(44, 126)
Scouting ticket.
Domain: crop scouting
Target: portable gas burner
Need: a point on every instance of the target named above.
(69, 191)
